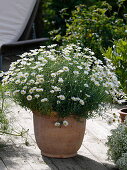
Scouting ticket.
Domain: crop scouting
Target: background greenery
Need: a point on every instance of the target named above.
(50, 11)
(118, 56)
(92, 28)
(96, 24)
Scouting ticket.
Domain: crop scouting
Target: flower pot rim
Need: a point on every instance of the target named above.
(123, 110)
(55, 116)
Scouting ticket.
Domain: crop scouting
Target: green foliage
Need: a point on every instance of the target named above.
(4, 123)
(122, 162)
(117, 144)
(47, 14)
(69, 80)
(91, 27)
(118, 55)
(55, 13)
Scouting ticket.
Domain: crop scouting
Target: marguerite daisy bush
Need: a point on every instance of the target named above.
(69, 80)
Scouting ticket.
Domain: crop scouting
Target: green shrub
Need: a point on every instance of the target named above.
(70, 81)
(117, 144)
(91, 27)
(118, 55)
(52, 12)
(122, 162)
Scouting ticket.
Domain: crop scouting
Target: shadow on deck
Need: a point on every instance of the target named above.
(78, 162)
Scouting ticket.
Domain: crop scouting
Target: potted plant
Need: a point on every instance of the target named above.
(63, 87)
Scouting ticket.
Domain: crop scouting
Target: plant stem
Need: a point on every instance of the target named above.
(13, 134)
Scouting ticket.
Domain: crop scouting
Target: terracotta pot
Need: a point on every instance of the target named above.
(123, 114)
(58, 142)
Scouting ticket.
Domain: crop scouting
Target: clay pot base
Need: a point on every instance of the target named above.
(58, 156)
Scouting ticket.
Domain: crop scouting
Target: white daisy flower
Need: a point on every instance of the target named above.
(25, 87)
(34, 88)
(31, 91)
(58, 102)
(57, 124)
(37, 96)
(77, 99)
(60, 80)
(80, 67)
(60, 71)
(39, 76)
(40, 80)
(23, 81)
(7, 93)
(96, 83)
(81, 102)
(52, 91)
(65, 123)
(53, 74)
(73, 98)
(26, 74)
(86, 72)
(76, 72)
(29, 97)
(86, 85)
(23, 62)
(65, 68)
(15, 92)
(39, 90)
(44, 100)
(17, 82)
(23, 92)
(31, 81)
(61, 97)
(67, 58)
(87, 95)
(55, 88)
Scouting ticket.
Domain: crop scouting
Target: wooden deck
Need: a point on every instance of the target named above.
(15, 155)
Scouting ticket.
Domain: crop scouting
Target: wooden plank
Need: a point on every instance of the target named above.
(13, 160)
(89, 164)
(97, 130)
(97, 133)
(97, 148)
(85, 152)
(34, 158)
(22, 119)
(76, 163)
(25, 156)
(105, 124)
(2, 166)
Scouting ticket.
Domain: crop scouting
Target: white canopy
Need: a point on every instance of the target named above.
(14, 15)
